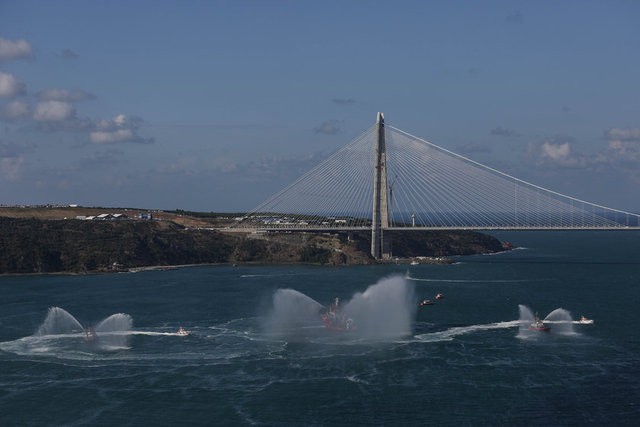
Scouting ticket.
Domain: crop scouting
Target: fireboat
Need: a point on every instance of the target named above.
(90, 335)
(335, 319)
(182, 331)
(538, 325)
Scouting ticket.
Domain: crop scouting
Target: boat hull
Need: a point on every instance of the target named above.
(537, 329)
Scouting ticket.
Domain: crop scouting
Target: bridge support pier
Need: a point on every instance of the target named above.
(380, 245)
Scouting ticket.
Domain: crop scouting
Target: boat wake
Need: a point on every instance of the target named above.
(156, 334)
(415, 279)
(62, 335)
(254, 276)
(66, 346)
(451, 333)
(384, 312)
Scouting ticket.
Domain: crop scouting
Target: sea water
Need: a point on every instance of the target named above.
(258, 353)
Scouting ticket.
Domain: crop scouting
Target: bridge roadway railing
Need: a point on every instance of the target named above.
(436, 228)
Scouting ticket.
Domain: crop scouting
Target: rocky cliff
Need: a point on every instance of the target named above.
(29, 245)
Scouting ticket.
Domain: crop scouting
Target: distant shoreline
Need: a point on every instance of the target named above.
(32, 246)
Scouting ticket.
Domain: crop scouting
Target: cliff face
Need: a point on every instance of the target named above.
(41, 246)
(30, 245)
(442, 243)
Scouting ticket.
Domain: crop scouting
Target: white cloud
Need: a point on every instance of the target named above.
(330, 127)
(11, 167)
(120, 120)
(622, 153)
(556, 152)
(100, 160)
(10, 86)
(120, 129)
(621, 134)
(623, 149)
(500, 131)
(109, 137)
(53, 111)
(14, 110)
(64, 95)
(68, 54)
(10, 49)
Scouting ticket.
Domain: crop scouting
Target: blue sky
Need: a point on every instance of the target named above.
(215, 105)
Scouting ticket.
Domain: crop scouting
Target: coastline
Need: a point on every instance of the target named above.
(75, 247)
(143, 269)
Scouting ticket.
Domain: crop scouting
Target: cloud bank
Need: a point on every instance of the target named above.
(64, 95)
(330, 127)
(14, 110)
(119, 130)
(54, 109)
(10, 49)
(500, 131)
(11, 86)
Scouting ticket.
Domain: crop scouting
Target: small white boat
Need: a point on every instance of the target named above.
(183, 331)
(585, 321)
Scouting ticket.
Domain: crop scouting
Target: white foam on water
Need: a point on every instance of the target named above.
(451, 333)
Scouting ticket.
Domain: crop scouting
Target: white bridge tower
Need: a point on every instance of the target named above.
(380, 246)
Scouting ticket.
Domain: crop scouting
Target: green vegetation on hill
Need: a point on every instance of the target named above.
(29, 245)
(41, 246)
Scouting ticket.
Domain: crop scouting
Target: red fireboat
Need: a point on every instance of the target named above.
(335, 319)
(538, 325)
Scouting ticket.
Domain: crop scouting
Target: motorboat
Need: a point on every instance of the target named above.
(335, 319)
(585, 321)
(538, 325)
(425, 302)
(90, 335)
(183, 331)
(439, 296)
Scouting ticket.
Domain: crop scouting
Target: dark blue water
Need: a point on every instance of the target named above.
(463, 360)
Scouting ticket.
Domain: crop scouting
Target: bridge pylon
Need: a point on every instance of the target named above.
(380, 244)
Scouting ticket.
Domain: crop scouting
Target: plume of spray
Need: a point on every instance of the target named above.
(525, 319)
(59, 321)
(291, 311)
(526, 315)
(119, 322)
(385, 310)
(112, 331)
(563, 323)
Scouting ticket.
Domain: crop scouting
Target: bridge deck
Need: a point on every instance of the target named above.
(347, 229)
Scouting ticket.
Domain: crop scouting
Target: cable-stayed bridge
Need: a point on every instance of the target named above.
(388, 179)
